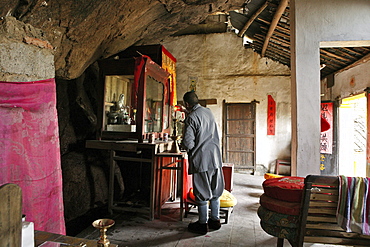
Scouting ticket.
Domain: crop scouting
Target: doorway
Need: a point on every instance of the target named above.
(352, 136)
(239, 135)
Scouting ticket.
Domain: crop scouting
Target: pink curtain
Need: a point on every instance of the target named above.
(29, 150)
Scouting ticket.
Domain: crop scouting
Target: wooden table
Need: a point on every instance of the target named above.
(41, 238)
(177, 164)
(128, 152)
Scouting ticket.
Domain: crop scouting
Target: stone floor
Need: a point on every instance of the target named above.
(243, 228)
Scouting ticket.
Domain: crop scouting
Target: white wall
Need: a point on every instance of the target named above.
(331, 22)
(226, 71)
(360, 78)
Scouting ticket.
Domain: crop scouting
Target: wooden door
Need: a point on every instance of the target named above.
(239, 135)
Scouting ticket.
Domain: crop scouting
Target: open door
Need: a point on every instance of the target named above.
(352, 134)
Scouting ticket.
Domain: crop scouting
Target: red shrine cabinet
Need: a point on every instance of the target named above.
(138, 95)
(139, 91)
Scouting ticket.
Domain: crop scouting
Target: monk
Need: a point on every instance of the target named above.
(201, 141)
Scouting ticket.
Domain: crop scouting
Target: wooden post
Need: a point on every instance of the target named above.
(10, 215)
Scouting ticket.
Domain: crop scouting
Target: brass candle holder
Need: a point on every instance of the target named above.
(175, 145)
(103, 225)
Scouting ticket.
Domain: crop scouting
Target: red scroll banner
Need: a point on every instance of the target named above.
(271, 115)
(326, 139)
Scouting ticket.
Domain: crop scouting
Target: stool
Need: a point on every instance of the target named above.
(227, 203)
(225, 212)
(228, 171)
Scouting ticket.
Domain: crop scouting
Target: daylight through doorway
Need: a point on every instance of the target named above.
(352, 136)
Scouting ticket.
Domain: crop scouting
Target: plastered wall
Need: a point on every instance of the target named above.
(351, 82)
(318, 23)
(224, 70)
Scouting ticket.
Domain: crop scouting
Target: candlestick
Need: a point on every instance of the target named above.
(103, 225)
(175, 146)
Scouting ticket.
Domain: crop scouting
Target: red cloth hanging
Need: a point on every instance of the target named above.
(30, 152)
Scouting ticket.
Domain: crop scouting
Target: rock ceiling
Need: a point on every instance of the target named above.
(83, 31)
(86, 30)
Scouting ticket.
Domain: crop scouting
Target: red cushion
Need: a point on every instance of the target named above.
(288, 188)
(278, 206)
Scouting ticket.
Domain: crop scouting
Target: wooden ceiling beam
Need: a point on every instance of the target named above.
(274, 50)
(330, 54)
(283, 41)
(251, 20)
(275, 20)
(332, 66)
(330, 60)
(274, 46)
(285, 30)
(345, 53)
(276, 54)
(358, 62)
(351, 51)
(278, 58)
(278, 33)
(277, 39)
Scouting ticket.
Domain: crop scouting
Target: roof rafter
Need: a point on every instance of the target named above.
(251, 20)
(275, 20)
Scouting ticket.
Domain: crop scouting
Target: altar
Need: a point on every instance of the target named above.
(151, 174)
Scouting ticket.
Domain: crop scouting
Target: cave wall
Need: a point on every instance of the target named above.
(84, 170)
(83, 31)
(25, 53)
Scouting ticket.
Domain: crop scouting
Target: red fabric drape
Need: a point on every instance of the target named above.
(138, 76)
(187, 180)
(169, 64)
(30, 152)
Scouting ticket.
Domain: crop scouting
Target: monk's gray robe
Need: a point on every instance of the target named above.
(202, 142)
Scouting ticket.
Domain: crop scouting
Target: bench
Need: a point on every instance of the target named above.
(317, 219)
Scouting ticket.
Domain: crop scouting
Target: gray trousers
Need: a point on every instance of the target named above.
(208, 186)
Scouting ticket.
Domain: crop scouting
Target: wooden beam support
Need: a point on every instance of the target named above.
(253, 17)
(331, 60)
(334, 55)
(283, 29)
(354, 64)
(276, 54)
(345, 53)
(276, 39)
(275, 20)
(349, 50)
(277, 33)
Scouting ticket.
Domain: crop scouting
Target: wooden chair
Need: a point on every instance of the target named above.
(318, 223)
(10, 215)
(280, 164)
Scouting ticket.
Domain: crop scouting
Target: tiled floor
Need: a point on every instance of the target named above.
(243, 228)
